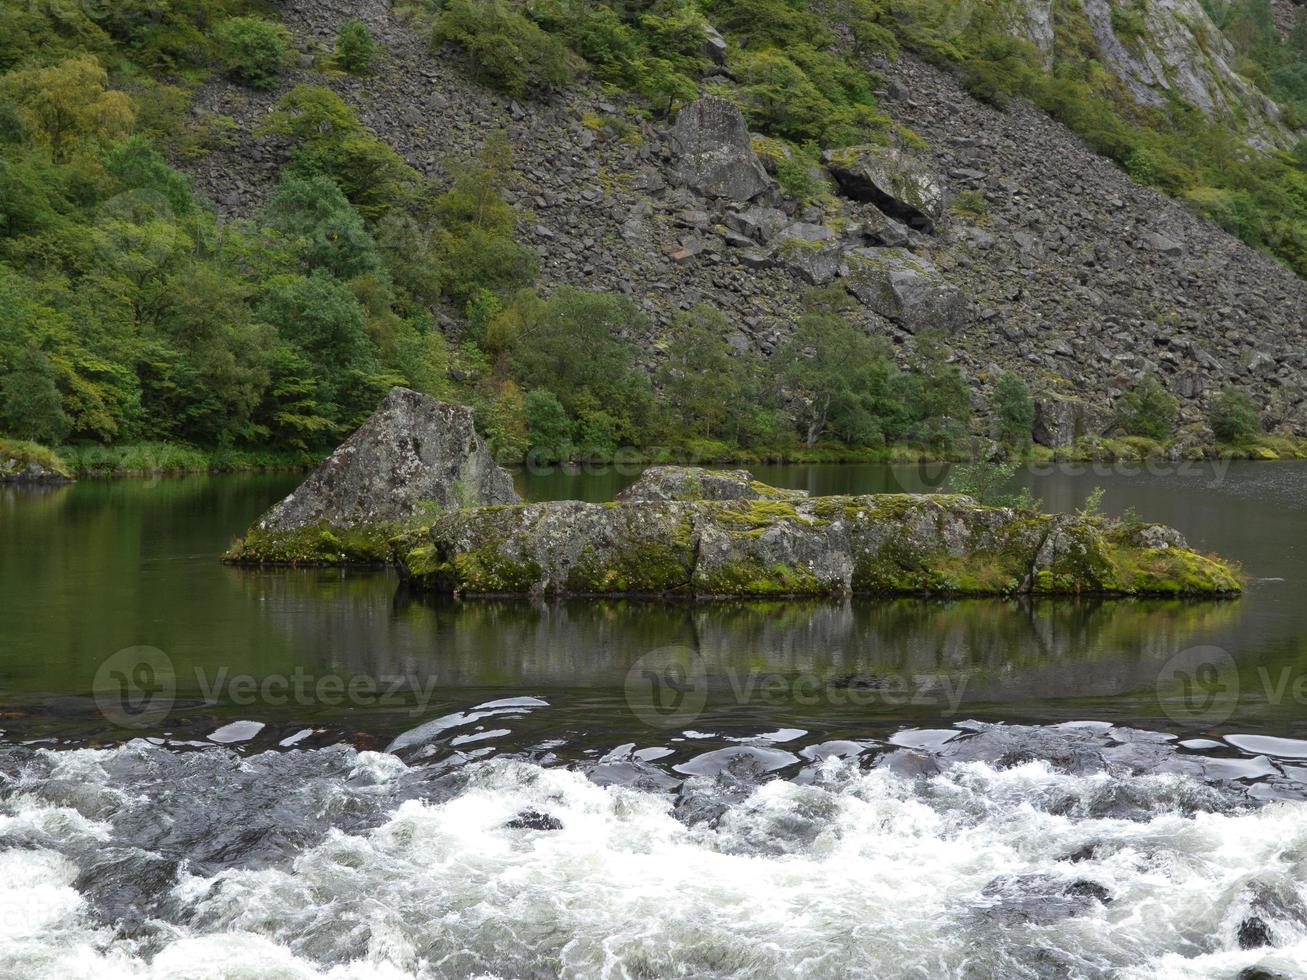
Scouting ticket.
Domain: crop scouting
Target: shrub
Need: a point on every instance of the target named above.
(1014, 410)
(549, 430)
(253, 50)
(355, 48)
(987, 483)
(1148, 410)
(797, 177)
(1233, 417)
(502, 47)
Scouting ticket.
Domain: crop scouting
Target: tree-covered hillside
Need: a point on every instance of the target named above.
(130, 314)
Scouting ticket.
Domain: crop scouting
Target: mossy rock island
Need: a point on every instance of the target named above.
(416, 486)
(765, 542)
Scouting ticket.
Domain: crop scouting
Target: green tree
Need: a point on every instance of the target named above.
(502, 47)
(253, 50)
(697, 377)
(323, 230)
(1233, 416)
(68, 108)
(1148, 410)
(29, 396)
(322, 319)
(549, 430)
(841, 380)
(355, 48)
(1013, 410)
(572, 345)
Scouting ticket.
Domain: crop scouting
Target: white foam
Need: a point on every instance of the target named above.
(860, 874)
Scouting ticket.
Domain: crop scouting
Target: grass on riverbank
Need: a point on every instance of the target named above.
(174, 459)
(1107, 449)
(170, 459)
(17, 454)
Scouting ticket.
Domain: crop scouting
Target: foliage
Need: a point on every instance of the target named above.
(253, 50)
(330, 141)
(1148, 410)
(572, 344)
(1233, 417)
(355, 48)
(1013, 410)
(67, 108)
(502, 47)
(988, 483)
(549, 429)
(29, 400)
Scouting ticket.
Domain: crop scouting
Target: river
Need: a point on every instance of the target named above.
(212, 771)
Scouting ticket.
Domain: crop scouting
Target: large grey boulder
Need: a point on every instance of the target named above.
(898, 182)
(1060, 421)
(903, 287)
(714, 155)
(413, 451)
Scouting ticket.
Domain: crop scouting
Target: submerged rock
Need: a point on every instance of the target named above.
(414, 454)
(771, 546)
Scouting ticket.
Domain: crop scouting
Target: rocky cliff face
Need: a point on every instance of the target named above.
(1076, 276)
(1160, 48)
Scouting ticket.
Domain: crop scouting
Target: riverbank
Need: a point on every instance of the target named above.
(172, 459)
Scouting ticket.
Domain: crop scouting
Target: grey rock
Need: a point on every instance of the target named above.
(892, 543)
(713, 152)
(759, 223)
(714, 45)
(696, 483)
(898, 182)
(1060, 421)
(903, 287)
(413, 450)
(816, 262)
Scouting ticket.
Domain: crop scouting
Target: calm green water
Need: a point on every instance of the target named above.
(91, 569)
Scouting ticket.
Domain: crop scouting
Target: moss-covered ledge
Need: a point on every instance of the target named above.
(900, 544)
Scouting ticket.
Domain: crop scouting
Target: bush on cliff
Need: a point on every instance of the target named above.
(1233, 417)
(253, 50)
(1148, 410)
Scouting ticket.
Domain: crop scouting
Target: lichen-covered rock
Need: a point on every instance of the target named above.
(413, 454)
(695, 483)
(904, 287)
(714, 155)
(880, 544)
(1060, 421)
(898, 182)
